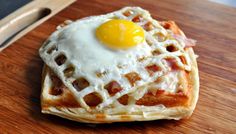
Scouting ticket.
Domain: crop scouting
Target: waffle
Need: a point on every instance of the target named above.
(167, 88)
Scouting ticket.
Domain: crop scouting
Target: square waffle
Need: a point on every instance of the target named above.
(165, 85)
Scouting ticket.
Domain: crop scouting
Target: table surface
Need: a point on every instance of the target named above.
(211, 24)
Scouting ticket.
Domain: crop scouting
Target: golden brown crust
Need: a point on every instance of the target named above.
(65, 100)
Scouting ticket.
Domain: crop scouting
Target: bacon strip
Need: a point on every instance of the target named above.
(178, 34)
(187, 41)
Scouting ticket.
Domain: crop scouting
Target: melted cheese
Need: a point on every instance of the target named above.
(79, 44)
(89, 56)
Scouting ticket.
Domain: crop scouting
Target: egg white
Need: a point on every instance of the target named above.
(89, 56)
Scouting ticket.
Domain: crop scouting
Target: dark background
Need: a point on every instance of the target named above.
(9, 6)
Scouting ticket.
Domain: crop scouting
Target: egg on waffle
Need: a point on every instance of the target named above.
(118, 67)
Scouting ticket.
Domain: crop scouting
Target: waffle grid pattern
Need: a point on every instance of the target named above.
(164, 47)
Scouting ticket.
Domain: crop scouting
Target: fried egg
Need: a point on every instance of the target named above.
(105, 46)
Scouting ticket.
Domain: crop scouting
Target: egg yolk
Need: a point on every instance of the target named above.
(120, 34)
